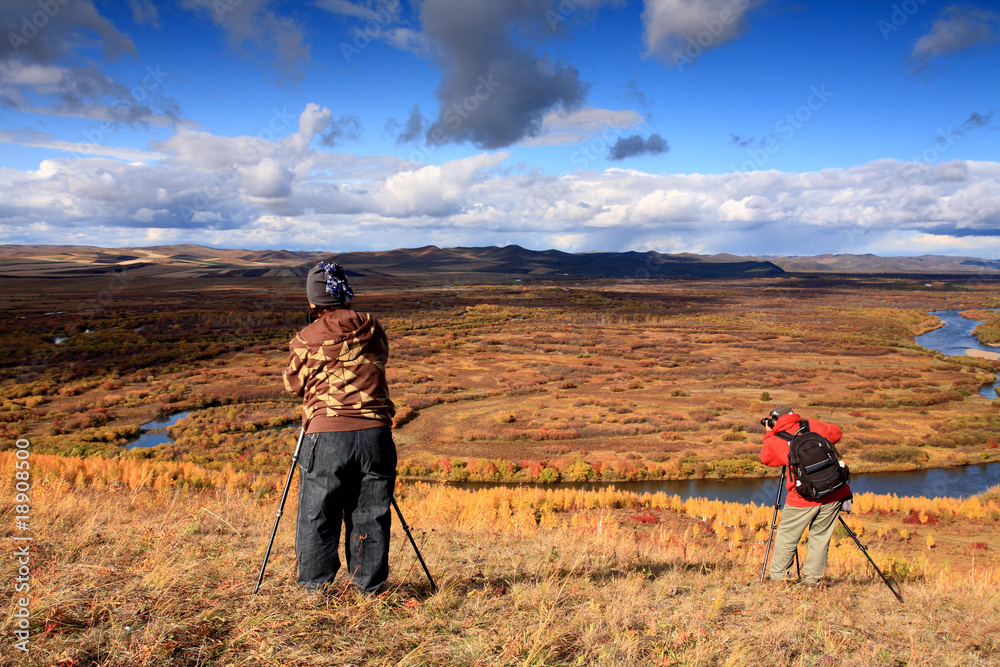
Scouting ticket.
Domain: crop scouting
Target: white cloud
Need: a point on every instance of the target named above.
(255, 23)
(434, 190)
(203, 150)
(67, 26)
(407, 39)
(957, 29)
(210, 152)
(206, 216)
(680, 31)
(281, 193)
(348, 9)
(46, 140)
(147, 215)
(312, 121)
(561, 127)
(919, 243)
(111, 113)
(50, 75)
(41, 78)
(268, 179)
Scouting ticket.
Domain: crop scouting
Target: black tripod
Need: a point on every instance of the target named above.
(406, 529)
(774, 523)
(864, 550)
(281, 507)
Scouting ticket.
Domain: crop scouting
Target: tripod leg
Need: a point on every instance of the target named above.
(420, 558)
(865, 552)
(281, 507)
(774, 522)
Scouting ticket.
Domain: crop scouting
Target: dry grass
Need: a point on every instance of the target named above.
(134, 576)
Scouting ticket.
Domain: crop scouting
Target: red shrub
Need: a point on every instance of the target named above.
(914, 518)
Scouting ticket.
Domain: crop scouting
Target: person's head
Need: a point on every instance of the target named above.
(780, 411)
(327, 287)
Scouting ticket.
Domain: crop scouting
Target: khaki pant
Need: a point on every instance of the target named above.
(821, 520)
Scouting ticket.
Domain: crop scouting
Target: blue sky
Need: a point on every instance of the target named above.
(706, 126)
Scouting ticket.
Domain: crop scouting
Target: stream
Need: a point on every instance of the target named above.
(954, 338)
(959, 482)
(155, 433)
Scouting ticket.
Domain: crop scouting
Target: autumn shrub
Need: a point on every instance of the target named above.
(545, 433)
(941, 440)
(893, 454)
(678, 426)
(991, 494)
(738, 467)
(403, 415)
(408, 468)
(580, 471)
(921, 518)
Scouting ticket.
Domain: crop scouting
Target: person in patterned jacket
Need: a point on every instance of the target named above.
(347, 464)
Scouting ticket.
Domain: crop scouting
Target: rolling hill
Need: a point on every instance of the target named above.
(461, 263)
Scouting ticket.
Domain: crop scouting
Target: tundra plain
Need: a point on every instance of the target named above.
(148, 556)
(542, 380)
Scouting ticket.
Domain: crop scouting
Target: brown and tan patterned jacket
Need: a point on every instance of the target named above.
(337, 365)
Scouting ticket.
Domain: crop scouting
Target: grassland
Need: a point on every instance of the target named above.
(539, 381)
(148, 557)
(152, 563)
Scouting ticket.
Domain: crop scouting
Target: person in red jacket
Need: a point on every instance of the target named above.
(799, 513)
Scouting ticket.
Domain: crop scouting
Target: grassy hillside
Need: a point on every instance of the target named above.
(153, 563)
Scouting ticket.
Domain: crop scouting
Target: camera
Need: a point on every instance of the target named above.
(773, 415)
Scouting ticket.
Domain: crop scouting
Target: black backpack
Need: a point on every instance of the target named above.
(815, 463)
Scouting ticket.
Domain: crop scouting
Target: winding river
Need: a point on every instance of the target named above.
(958, 482)
(954, 338)
(155, 433)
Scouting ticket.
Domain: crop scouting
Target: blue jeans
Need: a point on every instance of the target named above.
(345, 477)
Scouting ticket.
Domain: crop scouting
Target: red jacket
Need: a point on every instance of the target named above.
(775, 453)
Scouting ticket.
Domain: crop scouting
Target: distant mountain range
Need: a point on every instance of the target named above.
(923, 264)
(513, 262)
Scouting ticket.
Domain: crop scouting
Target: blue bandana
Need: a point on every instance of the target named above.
(336, 282)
